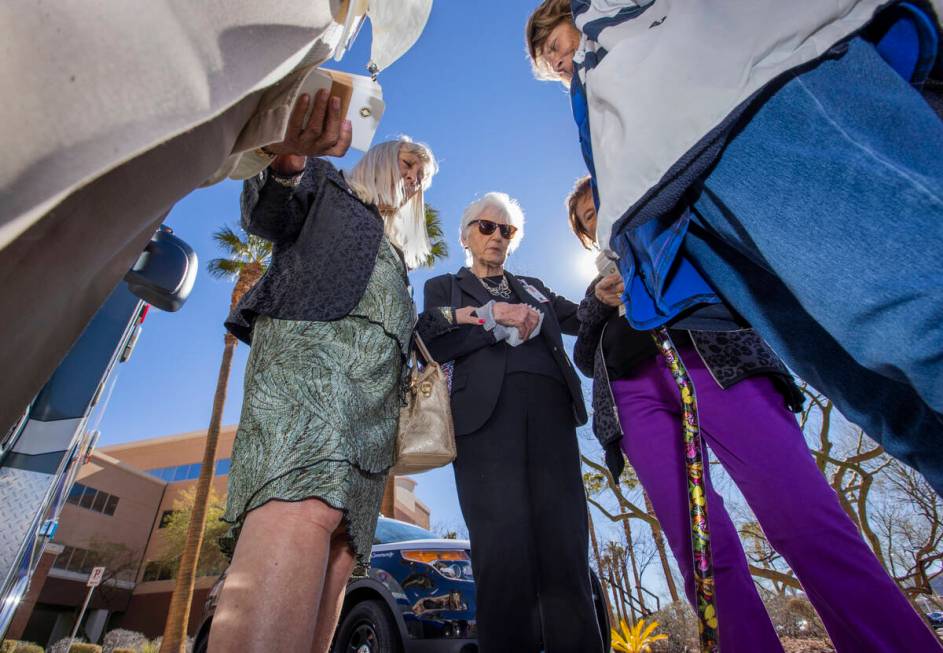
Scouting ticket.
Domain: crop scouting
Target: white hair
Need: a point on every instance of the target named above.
(376, 180)
(503, 204)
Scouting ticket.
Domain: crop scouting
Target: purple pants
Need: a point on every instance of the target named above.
(759, 443)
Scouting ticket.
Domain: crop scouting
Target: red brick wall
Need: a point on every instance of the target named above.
(147, 613)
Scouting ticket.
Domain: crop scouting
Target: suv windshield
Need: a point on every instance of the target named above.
(389, 531)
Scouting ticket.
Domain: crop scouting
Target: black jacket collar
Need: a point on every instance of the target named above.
(518, 287)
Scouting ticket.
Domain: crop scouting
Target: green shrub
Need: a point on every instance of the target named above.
(13, 646)
(85, 648)
(125, 640)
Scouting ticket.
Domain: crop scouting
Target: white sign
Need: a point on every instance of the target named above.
(95, 578)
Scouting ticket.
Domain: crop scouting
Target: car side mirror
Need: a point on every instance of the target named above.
(164, 273)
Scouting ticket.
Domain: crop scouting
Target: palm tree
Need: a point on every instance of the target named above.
(661, 548)
(440, 247)
(617, 603)
(244, 261)
(630, 550)
(622, 582)
(439, 252)
(594, 542)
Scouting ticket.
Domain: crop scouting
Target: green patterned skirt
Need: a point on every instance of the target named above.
(321, 409)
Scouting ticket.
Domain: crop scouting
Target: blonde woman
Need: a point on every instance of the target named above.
(329, 325)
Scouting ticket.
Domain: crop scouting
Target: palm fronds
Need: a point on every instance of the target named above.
(440, 247)
(239, 249)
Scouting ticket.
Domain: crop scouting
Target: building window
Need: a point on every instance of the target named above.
(92, 499)
(87, 497)
(110, 505)
(157, 570)
(92, 559)
(62, 560)
(165, 518)
(188, 472)
(100, 499)
(75, 493)
(72, 559)
(77, 560)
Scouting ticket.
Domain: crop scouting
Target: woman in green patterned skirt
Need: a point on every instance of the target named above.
(330, 325)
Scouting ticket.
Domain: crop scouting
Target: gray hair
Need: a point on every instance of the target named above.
(503, 204)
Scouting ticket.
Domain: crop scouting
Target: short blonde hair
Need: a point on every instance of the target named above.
(503, 204)
(376, 180)
(542, 21)
(582, 187)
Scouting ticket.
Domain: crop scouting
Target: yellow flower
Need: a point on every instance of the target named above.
(637, 639)
(686, 396)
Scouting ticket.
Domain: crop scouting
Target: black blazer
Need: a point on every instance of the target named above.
(325, 244)
(480, 367)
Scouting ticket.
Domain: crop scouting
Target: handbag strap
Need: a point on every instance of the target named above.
(417, 339)
(421, 346)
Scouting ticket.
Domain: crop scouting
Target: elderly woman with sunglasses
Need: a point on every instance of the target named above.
(516, 402)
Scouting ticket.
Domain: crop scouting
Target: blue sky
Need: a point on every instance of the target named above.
(465, 89)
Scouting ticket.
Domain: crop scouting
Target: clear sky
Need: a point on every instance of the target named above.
(466, 89)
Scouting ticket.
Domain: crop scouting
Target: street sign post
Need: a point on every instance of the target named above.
(94, 580)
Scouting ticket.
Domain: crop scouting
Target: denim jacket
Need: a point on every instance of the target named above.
(655, 143)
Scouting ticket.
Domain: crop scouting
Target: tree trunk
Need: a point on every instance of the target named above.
(597, 559)
(388, 505)
(614, 586)
(625, 589)
(178, 614)
(662, 551)
(630, 551)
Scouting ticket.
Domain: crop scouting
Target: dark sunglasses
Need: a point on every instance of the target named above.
(487, 227)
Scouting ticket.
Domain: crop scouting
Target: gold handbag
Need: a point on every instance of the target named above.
(426, 437)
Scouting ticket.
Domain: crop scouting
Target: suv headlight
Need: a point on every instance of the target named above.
(454, 565)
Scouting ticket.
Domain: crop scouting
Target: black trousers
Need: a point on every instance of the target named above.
(521, 492)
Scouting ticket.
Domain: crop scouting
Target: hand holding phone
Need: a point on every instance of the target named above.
(609, 289)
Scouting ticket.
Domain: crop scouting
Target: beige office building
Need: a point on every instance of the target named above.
(114, 518)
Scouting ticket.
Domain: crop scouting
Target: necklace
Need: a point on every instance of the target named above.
(502, 289)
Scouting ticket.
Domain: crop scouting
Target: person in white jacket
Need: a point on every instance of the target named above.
(778, 156)
(121, 110)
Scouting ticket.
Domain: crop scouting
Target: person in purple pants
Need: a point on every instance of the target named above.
(746, 399)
